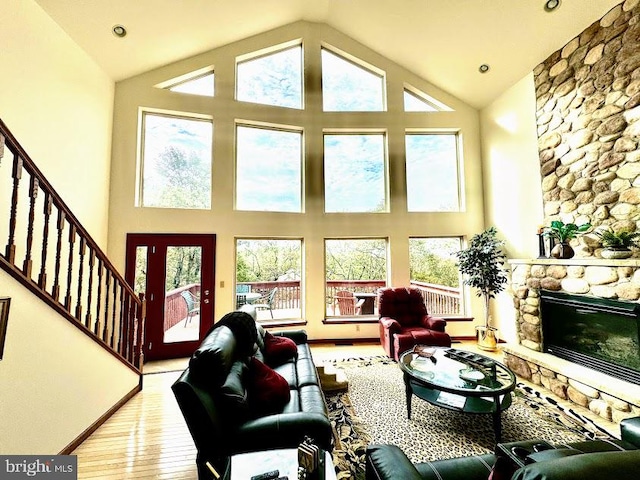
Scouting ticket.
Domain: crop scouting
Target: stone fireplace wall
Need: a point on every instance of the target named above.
(588, 117)
(613, 279)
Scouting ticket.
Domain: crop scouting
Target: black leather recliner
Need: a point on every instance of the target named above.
(616, 459)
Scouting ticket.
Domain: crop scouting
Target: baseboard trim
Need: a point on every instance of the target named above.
(95, 425)
(344, 341)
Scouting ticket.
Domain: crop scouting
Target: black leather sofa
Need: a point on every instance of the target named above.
(219, 429)
(597, 459)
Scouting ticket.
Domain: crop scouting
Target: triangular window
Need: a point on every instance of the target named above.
(201, 85)
(416, 101)
(348, 86)
(272, 79)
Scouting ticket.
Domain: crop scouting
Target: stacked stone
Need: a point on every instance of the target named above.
(614, 282)
(588, 117)
(602, 404)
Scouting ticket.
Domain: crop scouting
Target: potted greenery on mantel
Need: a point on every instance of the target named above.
(481, 265)
(617, 244)
(562, 233)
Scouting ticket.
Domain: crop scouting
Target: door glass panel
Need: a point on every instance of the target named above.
(140, 281)
(182, 294)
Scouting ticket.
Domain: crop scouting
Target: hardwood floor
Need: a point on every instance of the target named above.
(148, 438)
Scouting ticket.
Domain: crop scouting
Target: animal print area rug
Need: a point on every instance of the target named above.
(374, 411)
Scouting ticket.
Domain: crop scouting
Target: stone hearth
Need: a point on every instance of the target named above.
(610, 398)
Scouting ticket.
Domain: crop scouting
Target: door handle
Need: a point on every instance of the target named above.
(206, 293)
(206, 300)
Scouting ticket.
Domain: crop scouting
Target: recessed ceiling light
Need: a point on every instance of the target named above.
(119, 31)
(484, 68)
(551, 5)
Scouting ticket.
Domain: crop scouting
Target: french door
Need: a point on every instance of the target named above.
(176, 274)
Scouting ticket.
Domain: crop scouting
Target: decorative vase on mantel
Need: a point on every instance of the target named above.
(562, 250)
(611, 253)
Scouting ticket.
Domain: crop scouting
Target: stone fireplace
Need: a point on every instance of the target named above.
(588, 127)
(597, 282)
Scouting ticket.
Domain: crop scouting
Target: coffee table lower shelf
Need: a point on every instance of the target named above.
(493, 405)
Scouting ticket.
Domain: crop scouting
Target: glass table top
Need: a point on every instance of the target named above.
(460, 371)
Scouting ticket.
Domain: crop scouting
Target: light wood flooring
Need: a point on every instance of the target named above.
(148, 438)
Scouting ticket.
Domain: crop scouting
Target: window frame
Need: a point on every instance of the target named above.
(363, 318)
(266, 52)
(140, 152)
(276, 128)
(462, 287)
(459, 166)
(276, 321)
(361, 64)
(385, 168)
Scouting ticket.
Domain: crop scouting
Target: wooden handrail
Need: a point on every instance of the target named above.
(92, 295)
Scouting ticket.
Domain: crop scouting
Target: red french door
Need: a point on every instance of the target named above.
(176, 274)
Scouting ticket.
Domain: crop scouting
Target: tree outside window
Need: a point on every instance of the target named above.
(434, 271)
(266, 264)
(176, 162)
(357, 266)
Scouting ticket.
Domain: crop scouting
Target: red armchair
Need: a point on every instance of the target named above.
(405, 322)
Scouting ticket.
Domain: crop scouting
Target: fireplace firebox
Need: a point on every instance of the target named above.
(598, 333)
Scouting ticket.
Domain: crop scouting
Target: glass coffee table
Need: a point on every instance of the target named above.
(458, 380)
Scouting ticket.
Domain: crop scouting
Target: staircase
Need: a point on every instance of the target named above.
(51, 254)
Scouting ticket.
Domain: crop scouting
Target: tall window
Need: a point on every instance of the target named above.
(176, 162)
(354, 173)
(434, 272)
(348, 87)
(432, 172)
(355, 270)
(268, 170)
(268, 273)
(274, 79)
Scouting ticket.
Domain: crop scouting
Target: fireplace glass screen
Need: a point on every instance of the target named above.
(597, 333)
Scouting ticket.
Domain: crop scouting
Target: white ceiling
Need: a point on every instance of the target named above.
(443, 41)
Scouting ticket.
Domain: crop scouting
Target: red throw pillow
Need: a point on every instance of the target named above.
(278, 350)
(267, 390)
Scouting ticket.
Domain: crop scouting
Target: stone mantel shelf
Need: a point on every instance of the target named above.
(586, 261)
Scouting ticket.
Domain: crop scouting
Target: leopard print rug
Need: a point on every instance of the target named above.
(374, 411)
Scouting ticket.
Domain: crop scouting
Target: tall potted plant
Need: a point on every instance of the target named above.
(481, 265)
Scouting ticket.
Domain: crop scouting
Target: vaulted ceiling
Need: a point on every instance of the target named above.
(443, 41)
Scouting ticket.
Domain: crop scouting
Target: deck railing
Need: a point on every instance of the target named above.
(440, 299)
(175, 307)
(50, 252)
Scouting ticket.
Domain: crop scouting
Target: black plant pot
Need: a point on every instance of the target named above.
(562, 250)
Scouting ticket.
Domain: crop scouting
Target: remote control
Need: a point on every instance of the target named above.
(272, 475)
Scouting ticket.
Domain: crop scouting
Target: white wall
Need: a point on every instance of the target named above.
(313, 225)
(59, 105)
(54, 382)
(512, 183)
